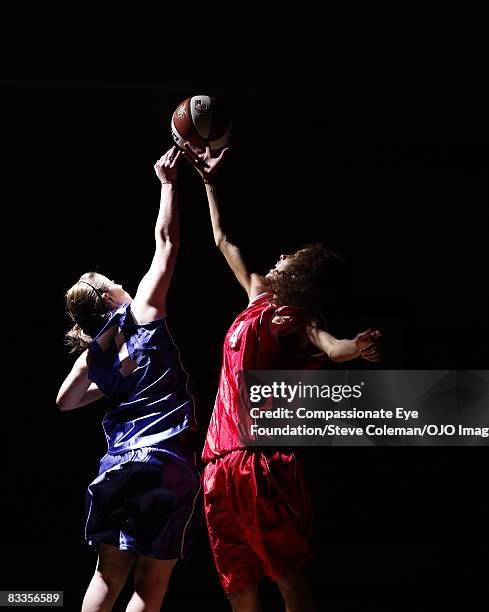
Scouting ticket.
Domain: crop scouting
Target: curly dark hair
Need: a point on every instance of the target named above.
(312, 280)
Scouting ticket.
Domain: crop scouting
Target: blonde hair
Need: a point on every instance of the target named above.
(87, 309)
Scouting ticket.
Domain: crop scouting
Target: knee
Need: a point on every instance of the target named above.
(151, 584)
(111, 577)
(152, 575)
(148, 595)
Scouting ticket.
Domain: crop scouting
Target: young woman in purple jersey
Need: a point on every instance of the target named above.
(145, 504)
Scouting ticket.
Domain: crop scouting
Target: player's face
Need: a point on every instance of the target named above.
(116, 291)
(283, 263)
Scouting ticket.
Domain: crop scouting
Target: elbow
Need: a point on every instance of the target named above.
(63, 403)
(340, 356)
(337, 358)
(336, 355)
(333, 356)
(220, 240)
(168, 241)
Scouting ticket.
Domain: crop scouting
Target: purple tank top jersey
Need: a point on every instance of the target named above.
(139, 368)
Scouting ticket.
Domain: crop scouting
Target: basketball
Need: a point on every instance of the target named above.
(201, 121)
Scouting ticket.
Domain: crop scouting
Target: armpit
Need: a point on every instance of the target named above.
(290, 332)
(280, 319)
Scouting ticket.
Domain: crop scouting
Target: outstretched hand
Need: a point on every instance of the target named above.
(368, 343)
(203, 162)
(166, 166)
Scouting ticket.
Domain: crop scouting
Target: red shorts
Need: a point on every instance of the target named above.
(259, 516)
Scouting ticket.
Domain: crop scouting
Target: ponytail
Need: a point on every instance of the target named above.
(87, 310)
(76, 340)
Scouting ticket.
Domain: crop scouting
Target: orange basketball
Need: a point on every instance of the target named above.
(201, 120)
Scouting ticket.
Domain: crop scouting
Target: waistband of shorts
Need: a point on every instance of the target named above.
(142, 454)
(265, 450)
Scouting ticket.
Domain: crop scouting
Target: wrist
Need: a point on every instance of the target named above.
(355, 349)
(360, 351)
(172, 183)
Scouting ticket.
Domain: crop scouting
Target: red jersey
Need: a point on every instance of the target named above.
(252, 344)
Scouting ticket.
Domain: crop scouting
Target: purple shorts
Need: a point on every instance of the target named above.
(147, 502)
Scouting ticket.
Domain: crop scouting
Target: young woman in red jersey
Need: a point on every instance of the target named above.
(256, 501)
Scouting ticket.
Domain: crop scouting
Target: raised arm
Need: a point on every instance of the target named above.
(150, 300)
(207, 168)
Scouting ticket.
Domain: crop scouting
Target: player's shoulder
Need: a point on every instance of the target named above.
(293, 321)
(264, 298)
(285, 313)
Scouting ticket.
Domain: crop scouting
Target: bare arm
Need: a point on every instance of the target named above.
(77, 390)
(251, 282)
(365, 344)
(150, 300)
(207, 167)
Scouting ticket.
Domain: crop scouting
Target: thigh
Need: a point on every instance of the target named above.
(153, 570)
(113, 561)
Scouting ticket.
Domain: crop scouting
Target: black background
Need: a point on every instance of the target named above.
(365, 129)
